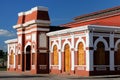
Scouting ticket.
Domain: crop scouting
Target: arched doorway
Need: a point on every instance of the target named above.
(67, 58)
(99, 55)
(28, 57)
(81, 54)
(55, 55)
(117, 55)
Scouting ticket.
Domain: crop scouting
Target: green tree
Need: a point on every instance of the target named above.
(3, 57)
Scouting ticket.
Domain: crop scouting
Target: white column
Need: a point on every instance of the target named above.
(111, 58)
(50, 49)
(8, 56)
(112, 61)
(72, 52)
(72, 60)
(89, 60)
(60, 65)
(89, 53)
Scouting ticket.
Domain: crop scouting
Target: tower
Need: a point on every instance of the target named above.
(32, 52)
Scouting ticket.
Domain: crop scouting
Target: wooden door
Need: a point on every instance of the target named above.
(67, 58)
(81, 54)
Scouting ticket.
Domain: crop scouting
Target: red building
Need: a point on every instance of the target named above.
(89, 46)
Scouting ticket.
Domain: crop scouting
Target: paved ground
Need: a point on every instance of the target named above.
(16, 76)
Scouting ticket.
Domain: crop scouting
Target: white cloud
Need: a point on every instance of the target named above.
(6, 33)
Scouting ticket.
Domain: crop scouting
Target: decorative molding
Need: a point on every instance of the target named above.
(98, 28)
(70, 30)
(102, 40)
(54, 43)
(28, 43)
(11, 41)
(78, 41)
(38, 8)
(66, 42)
(30, 23)
(32, 30)
(116, 44)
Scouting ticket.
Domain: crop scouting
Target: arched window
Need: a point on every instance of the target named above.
(117, 55)
(81, 54)
(55, 55)
(99, 55)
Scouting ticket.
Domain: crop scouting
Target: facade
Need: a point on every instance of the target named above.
(30, 49)
(90, 45)
(85, 50)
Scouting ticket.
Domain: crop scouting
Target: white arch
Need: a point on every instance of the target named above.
(102, 40)
(78, 41)
(54, 43)
(116, 44)
(28, 43)
(66, 42)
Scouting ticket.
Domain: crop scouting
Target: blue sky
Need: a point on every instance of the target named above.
(60, 12)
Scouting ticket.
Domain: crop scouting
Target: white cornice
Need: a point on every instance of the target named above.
(67, 30)
(11, 41)
(38, 8)
(21, 13)
(17, 26)
(99, 28)
(32, 30)
(31, 22)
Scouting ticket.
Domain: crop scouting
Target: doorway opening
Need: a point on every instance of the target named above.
(28, 58)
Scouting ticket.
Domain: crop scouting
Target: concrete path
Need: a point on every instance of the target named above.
(17, 76)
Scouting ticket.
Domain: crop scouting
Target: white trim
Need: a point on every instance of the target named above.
(67, 30)
(59, 59)
(18, 26)
(102, 40)
(72, 52)
(54, 43)
(72, 61)
(11, 41)
(116, 44)
(78, 41)
(32, 30)
(38, 8)
(66, 42)
(32, 22)
(87, 60)
(99, 28)
(21, 13)
(28, 43)
(111, 59)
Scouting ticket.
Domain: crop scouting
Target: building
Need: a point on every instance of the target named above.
(89, 46)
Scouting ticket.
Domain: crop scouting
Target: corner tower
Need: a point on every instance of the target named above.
(32, 54)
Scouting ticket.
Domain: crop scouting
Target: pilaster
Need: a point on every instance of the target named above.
(72, 53)
(111, 59)
(89, 51)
